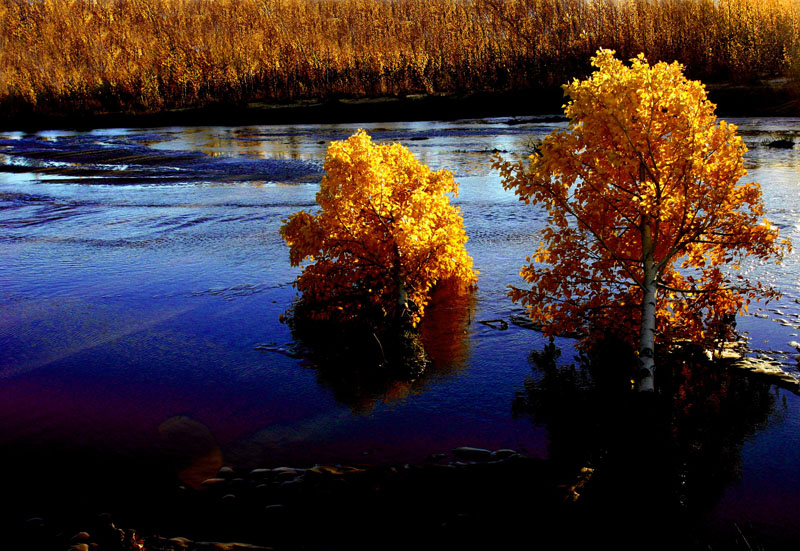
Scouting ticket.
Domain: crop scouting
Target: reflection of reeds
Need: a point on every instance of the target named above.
(145, 55)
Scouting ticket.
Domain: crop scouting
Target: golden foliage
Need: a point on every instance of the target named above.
(145, 55)
(384, 236)
(643, 170)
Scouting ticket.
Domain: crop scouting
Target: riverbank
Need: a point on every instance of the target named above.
(321, 111)
(461, 500)
(775, 97)
(464, 499)
(451, 500)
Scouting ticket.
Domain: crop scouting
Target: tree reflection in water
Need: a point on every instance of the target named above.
(660, 463)
(363, 366)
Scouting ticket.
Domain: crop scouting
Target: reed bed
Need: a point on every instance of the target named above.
(91, 56)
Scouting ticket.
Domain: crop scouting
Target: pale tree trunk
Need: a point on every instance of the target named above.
(647, 367)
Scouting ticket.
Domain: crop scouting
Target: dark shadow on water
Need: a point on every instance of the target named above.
(363, 366)
(657, 464)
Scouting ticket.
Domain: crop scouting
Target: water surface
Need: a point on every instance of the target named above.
(143, 276)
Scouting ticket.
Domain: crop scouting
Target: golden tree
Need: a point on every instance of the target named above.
(384, 236)
(647, 221)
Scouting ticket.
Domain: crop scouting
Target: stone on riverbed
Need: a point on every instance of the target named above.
(214, 546)
(476, 454)
(333, 470)
(503, 454)
(287, 472)
(768, 368)
(763, 365)
(81, 537)
(212, 482)
(727, 351)
(181, 544)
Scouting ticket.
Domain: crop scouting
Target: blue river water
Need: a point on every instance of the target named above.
(143, 277)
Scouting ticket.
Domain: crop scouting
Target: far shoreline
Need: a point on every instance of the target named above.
(776, 97)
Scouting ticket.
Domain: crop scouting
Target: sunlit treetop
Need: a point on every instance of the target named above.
(385, 234)
(644, 199)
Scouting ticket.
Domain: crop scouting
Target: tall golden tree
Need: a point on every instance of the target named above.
(384, 236)
(647, 221)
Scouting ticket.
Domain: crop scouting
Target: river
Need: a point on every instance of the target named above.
(143, 277)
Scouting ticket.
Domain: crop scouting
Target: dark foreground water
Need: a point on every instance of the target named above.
(141, 281)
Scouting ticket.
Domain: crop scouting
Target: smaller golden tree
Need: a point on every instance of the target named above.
(384, 236)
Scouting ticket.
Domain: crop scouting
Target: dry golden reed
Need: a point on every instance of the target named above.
(146, 55)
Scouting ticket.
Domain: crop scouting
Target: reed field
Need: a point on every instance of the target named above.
(94, 56)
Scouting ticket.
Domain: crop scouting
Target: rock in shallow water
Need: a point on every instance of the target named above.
(81, 537)
(475, 454)
(768, 368)
(212, 482)
(503, 454)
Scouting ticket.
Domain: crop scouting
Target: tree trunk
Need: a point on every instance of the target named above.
(647, 367)
(401, 312)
